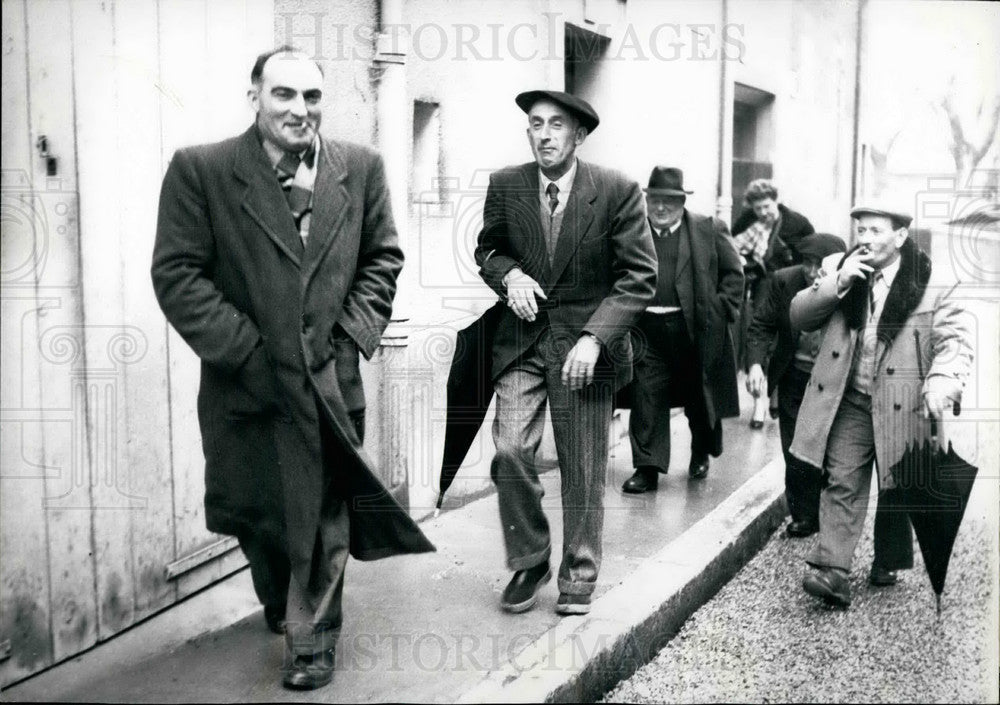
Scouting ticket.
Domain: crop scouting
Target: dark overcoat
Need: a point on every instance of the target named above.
(273, 322)
(709, 283)
(771, 340)
(602, 272)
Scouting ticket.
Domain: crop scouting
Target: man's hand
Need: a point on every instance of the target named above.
(578, 370)
(855, 267)
(757, 381)
(521, 293)
(934, 405)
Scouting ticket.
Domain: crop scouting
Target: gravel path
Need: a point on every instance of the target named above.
(762, 639)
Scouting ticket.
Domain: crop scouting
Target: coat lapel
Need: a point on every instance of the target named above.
(331, 205)
(525, 211)
(577, 219)
(684, 276)
(263, 198)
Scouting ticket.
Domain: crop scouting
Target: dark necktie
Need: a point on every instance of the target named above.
(552, 191)
(298, 197)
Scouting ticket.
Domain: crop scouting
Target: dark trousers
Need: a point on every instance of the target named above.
(803, 482)
(313, 610)
(667, 374)
(580, 425)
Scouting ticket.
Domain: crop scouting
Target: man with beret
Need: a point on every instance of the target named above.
(895, 350)
(685, 352)
(566, 245)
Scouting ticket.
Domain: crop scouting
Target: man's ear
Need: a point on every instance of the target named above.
(253, 98)
(581, 135)
(901, 236)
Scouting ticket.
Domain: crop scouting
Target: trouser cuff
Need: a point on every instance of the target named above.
(568, 587)
(530, 560)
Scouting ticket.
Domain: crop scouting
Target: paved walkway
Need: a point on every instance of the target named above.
(422, 628)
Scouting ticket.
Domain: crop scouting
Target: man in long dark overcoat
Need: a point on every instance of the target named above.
(684, 352)
(276, 260)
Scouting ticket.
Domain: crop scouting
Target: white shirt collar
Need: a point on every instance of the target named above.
(672, 229)
(275, 153)
(889, 272)
(564, 183)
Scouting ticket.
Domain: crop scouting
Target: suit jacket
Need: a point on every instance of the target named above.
(771, 340)
(783, 249)
(603, 269)
(927, 347)
(278, 327)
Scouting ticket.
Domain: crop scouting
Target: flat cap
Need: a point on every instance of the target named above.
(579, 107)
(889, 209)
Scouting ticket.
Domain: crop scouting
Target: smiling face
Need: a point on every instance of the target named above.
(875, 232)
(554, 135)
(287, 101)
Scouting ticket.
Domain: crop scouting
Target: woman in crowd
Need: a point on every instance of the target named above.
(766, 234)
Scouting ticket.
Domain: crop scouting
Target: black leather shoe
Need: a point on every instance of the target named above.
(880, 577)
(698, 467)
(645, 479)
(830, 585)
(521, 592)
(801, 529)
(275, 618)
(572, 604)
(309, 672)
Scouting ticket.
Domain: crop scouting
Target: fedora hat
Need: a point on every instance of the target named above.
(666, 181)
(577, 106)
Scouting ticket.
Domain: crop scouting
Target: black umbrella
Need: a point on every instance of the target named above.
(934, 487)
(470, 391)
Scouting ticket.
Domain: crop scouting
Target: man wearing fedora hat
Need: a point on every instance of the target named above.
(895, 349)
(685, 353)
(566, 245)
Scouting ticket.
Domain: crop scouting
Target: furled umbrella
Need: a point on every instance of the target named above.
(470, 391)
(934, 487)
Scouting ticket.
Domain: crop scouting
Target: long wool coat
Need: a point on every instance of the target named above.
(923, 327)
(272, 322)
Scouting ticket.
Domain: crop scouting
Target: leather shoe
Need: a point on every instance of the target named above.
(645, 479)
(830, 585)
(275, 618)
(801, 529)
(881, 577)
(521, 592)
(572, 604)
(698, 467)
(309, 671)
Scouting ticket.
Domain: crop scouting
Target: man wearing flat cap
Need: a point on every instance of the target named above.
(566, 245)
(895, 350)
(685, 353)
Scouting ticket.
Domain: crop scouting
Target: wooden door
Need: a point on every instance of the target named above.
(101, 472)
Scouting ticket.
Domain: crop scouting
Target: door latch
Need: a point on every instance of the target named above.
(51, 163)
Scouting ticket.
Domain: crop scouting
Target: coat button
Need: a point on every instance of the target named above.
(897, 407)
(836, 353)
(819, 387)
(890, 370)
